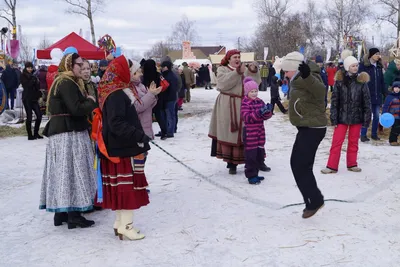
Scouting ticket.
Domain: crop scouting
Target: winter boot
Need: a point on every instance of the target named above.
(254, 180)
(394, 144)
(36, 129)
(28, 126)
(126, 229)
(232, 170)
(364, 139)
(265, 168)
(376, 138)
(309, 213)
(118, 222)
(328, 171)
(354, 169)
(261, 178)
(60, 217)
(76, 219)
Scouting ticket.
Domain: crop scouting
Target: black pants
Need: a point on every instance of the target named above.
(394, 132)
(302, 163)
(277, 101)
(176, 114)
(29, 107)
(159, 113)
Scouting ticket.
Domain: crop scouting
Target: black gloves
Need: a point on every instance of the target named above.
(304, 70)
(145, 139)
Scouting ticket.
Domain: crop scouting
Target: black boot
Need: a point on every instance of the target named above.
(76, 219)
(265, 168)
(60, 218)
(28, 126)
(232, 168)
(37, 127)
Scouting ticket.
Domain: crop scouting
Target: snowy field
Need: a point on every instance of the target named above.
(192, 222)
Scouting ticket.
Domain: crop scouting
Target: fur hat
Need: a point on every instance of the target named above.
(319, 59)
(346, 53)
(292, 61)
(372, 51)
(135, 66)
(249, 84)
(349, 61)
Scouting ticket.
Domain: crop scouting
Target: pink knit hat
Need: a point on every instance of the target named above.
(249, 84)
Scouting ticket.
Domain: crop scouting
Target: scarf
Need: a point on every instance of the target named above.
(117, 77)
(65, 73)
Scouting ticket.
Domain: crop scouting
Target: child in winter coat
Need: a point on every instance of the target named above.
(254, 111)
(392, 105)
(350, 110)
(275, 97)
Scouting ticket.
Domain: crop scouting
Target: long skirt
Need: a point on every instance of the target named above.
(69, 179)
(124, 183)
(229, 153)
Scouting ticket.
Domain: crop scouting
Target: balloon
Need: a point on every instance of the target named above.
(70, 50)
(386, 120)
(56, 54)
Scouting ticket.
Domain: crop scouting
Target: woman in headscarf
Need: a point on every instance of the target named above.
(125, 147)
(69, 179)
(226, 123)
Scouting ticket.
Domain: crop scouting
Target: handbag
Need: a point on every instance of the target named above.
(163, 83)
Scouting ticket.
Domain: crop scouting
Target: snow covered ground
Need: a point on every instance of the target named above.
(192, 222)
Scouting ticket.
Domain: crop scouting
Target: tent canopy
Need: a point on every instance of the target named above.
(85, 48)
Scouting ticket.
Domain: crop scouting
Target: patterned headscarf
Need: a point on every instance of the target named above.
(117, 77)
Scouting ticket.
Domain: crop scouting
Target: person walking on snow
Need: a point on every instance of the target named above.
(307, 113)
(189, 78)
(350, 110)
(373, 66)
(392, 105)
(254, 112)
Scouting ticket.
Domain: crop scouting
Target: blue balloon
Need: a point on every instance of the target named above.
(386, 120)
(278, 75)
(285, 88)
(70, 50)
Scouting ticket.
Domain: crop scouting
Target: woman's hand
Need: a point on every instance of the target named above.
(154, 89)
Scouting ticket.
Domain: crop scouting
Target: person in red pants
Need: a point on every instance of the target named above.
(350, 110)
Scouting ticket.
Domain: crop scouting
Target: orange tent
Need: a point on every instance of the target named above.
(85, 49)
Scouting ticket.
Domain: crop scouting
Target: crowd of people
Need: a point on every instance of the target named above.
(103, 113)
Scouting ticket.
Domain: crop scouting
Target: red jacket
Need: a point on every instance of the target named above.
(331, 75)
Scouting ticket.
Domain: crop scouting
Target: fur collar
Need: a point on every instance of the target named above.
(362, 77)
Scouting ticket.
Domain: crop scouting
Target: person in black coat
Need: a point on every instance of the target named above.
(207, 77)
(171, 97)
(275, 97)
(11, 82)
(30, 99)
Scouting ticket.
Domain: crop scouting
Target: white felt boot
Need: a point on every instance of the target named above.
(125, 228)
(118, 222)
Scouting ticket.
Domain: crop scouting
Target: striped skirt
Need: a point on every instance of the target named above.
(124, 184)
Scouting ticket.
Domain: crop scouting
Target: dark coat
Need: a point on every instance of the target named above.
(10, 78)
(171, 94)
(31, 87)
(122, 130)
(376, 84)
(181, 93)
(324, 76)
(42, 79)
(274, 87)
(207, 77)
(351, 101)
(69, 109)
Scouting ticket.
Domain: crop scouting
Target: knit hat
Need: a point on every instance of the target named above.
(372, 51)
(396, 84)
(319, 59)
(229, 54)
(349, 61)
(135, 66)
(249, 84)
(103, 63)
(346, 53)
(292, 61)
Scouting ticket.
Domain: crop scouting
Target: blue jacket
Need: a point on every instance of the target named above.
(324, 76)
(10, 78)
(376, 84)
(171, 94)
(392, 105)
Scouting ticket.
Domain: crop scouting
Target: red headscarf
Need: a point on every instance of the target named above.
(229, 54)
(116, 77)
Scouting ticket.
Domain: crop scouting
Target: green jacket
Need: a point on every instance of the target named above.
(264, 71)
(307, 100)
(391, 73)
(69, 109)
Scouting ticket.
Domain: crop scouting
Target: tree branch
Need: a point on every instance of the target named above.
(78, 6)
(9, 21)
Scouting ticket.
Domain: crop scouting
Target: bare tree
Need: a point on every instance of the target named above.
(86, 8)
(183, 30)
(8, 13)
(272, 10)
(44, 43)
(344, 18)
(26, 50)
(158, 50)
(391, 14)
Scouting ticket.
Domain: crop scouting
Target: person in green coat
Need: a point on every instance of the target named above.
(392, 72)
(307, 113)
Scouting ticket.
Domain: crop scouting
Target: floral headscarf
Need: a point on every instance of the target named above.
(117, 77)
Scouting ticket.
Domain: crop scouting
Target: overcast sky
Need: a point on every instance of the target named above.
(137, 24)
